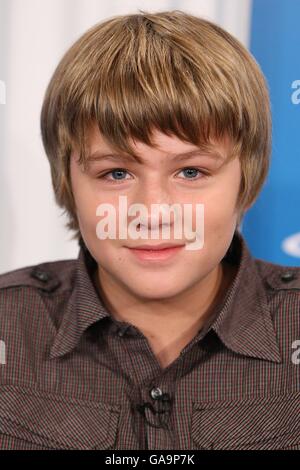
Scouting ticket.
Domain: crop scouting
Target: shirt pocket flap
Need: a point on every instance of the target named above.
(262, 422)
(56, 421)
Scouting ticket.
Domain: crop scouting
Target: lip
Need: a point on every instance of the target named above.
(164, 252)
(158, 247)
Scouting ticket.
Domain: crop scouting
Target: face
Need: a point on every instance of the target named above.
(162, 177)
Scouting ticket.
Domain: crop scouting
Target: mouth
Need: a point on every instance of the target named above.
(161, 246)
(155, 252)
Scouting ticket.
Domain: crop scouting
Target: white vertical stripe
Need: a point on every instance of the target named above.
(235, 17)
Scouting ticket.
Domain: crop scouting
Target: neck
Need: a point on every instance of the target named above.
(168, 324)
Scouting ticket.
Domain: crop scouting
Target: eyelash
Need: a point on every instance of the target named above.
(104, 176)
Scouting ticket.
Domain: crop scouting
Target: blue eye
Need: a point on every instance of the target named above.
(117, 175)
(192, 173)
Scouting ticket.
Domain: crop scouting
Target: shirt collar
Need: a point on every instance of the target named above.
(244, 322)
(84, 307)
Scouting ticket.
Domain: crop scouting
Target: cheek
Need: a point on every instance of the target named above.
(86, 201)
(89, 200)
(220, 212)
(86, 206)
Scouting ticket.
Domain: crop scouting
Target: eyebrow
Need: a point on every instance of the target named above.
(98, 155)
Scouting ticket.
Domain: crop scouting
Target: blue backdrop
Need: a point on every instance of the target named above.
(272, 226)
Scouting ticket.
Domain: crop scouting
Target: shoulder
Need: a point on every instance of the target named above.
(282, 287)
(279, 277)
(36, 294)
(51, 276)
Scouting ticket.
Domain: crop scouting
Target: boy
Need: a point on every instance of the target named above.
(145, 343)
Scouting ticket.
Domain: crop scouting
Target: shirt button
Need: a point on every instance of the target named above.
(122, 331)
(40, 275)
(287, 276)
(156, 393)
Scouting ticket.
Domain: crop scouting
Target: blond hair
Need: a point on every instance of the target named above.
(170, 71)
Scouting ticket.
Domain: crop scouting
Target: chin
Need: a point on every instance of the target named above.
(155, 291)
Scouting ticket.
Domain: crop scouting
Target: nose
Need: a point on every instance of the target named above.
(158, 206)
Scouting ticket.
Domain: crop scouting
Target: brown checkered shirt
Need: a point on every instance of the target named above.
(73, 377)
